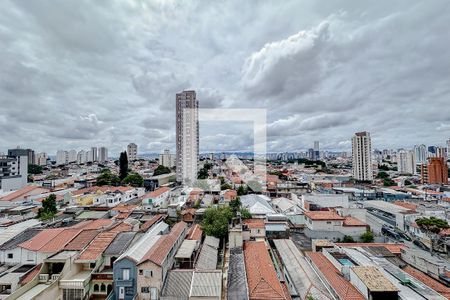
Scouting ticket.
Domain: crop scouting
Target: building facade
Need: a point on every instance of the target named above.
(435, 171)
(362, 156)
(132, 151)
(187, 137)
(13, 172)
(167, 159)
(102, 154)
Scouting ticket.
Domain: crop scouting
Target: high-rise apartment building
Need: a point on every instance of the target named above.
(362, 156)
(72, 156)
(132, 151)
(405, 162)
(435, 171)
(13, 172)
(167, 159)
(81, 157)
(29, 153)
(41, 159)
(102, 154)
(94, 154)
(62, 157)
(187, 137)
(420, 154)
(316, 150)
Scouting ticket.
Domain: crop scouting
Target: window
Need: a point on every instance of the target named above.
(145, 289)
(129, 290)
(126, 274)
(148, 273)
(328, 222)
(10, 255)
(141, 271)
(30, 255)
(95, 287)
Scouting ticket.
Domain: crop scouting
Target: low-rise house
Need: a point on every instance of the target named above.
(155, 264)
(330, 225)
(254, 229)
(156, 198)
(262, 279)
(10, 253)
(207, 259)
(125, 267)
(206, 284)
(257, 205)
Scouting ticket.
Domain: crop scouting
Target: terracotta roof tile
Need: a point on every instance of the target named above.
(262, 279)
(151, 222)
(82, 240)
(405, 204)
(94, 224)
(23, 192)
(195, 233)
(393, 248)
(254, 223)
(158, 253)
(323, 215)
(158, 192)
(60, 241)
(350, 221)
(341, 286)
(427, 280)
(101, 242)
(30, 275)
(41, 239)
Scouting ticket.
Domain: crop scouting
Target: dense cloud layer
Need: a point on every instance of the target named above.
(76, 74)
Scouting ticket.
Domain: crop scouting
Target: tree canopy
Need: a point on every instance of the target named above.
(108, 178)
(48, 209)
(216, 220)
(367, 237)
(161, 170)
(134, 179)
(34, 169)
(123, 165)
(432, 224)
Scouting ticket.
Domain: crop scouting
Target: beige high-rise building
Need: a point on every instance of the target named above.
(167, 159)
(132, 151)
(102, 154)
(362, 156)
(187, 130)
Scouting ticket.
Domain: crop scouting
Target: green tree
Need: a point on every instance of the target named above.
(348, 239)
(123, 165)
(382, 175)
(48, 209)
(216, 220)
(108, 178)
(245, 214)
(432, 224)
(134, 179)
(383, 167)
(161, 170)
(235, 205)
(367, 237)
(241, 190)
(225, 186)
(407, 182)
(34, 169)
(202, 174)
(388, 182)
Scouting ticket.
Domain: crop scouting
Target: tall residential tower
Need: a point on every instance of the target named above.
(362, 156)
(187, 137)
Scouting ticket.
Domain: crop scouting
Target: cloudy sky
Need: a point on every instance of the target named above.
(76, 74)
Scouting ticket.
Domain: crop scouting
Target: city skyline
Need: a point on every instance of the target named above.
(65, 85)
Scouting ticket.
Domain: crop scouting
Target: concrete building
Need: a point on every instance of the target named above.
(72, 156)
(29, 153)
(13, 172)
(420, 154)
(187, 137)
(81, 157)
(94, 154)
(62, 157)
(435, 171)
(362, 156)
(316, 153)
(41, 159)
(167, 159)
(405, 162)
(102, 154)
(132, 151)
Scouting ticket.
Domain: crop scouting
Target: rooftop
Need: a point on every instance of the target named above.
(206, 284)
(82, 240)
(334, 278)
(323, 215)
(254, 223)
(158, 192)
(374, 279)
(262, 279)
(195, 233)
(177, 285)
(351, 221)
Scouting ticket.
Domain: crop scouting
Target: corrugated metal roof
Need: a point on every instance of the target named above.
(13, 230)
(186, 249)
(177, 285)
(207, 259)
(237, 280)
(120, 243)
(20, 238)
(206, 284)
(211, 241)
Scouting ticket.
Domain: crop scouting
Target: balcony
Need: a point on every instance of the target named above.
(124, 283)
